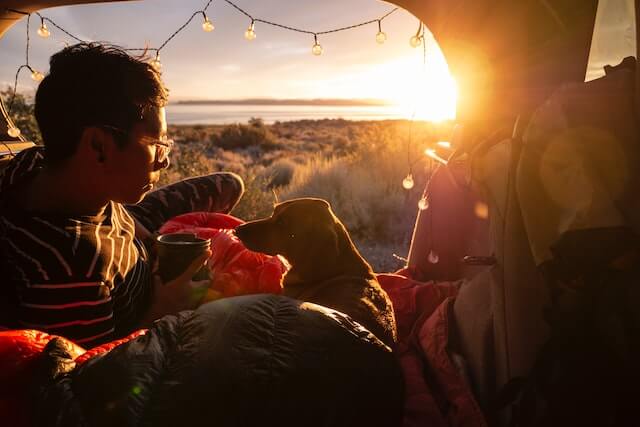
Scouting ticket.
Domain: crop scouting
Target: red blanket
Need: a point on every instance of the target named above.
(435, 392)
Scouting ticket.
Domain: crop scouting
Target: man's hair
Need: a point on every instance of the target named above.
(93, 84)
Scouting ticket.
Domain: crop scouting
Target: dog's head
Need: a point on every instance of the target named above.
(296, 228)
(308, 234)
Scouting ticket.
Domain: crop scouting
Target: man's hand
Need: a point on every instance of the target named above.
(181, 293)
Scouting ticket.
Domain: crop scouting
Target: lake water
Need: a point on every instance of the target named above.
(183, 114)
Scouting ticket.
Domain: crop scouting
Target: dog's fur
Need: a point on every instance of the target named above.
(326, 267)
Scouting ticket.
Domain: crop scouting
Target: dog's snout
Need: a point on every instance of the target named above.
(252, 236)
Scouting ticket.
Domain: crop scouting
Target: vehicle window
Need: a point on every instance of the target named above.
(614, 36)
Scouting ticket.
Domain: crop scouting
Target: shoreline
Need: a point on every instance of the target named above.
(218, 114)
(324, 121)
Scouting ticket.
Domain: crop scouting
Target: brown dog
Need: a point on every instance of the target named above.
(326, 268)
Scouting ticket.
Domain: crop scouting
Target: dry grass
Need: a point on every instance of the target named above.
(357, 166)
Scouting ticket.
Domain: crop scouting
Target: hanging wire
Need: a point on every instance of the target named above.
(28, 41)
(298, 30)
(44, 18)
(202, 12)
(174, 34)
(22, 67)
(412, 163)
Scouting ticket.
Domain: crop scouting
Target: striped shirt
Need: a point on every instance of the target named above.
(85, 278)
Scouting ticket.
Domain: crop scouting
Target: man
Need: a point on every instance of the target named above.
(71, 253)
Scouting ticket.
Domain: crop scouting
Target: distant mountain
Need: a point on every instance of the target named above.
(269, 101)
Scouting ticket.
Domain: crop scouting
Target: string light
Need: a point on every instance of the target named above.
(418, 37)
(444, 144)
(37, 75)
(250, 34)
(381, 37)
(407, 182)
(155, 63)
(43, 31)
(423, 204)
(207, 25)
(317, 48)
(13, 132)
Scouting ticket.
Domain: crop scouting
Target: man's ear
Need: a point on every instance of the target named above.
(94, 143)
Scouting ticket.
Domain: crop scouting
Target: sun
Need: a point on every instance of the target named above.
(423, 91)
(416, 89)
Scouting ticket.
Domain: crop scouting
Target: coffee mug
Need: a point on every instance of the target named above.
(176, 251)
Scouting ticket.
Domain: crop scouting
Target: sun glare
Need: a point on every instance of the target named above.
(424, 92)
(415, 89)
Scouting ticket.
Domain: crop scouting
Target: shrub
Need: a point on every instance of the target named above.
(22, 115)
(256, 201)
(280, 173)
(237, 136)
(256, 122)
(369, 200)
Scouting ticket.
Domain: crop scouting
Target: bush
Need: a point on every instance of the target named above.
(256, 122)
(280, 173)
(238, 136)
(363, 194)
(255, 202)
(22, 115)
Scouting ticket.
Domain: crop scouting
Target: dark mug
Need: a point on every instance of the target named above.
(176, 252)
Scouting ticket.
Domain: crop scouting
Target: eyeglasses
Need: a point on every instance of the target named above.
(163, 146)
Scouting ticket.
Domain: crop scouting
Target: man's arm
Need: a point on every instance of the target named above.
(218, 192)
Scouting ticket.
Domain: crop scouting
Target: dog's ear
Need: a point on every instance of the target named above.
(343, 241)
(334, 238)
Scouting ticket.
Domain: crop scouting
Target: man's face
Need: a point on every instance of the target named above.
(135, 169)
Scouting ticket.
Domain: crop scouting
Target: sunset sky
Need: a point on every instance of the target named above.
(277, 64)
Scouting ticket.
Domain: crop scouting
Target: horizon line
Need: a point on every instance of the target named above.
(287, 101)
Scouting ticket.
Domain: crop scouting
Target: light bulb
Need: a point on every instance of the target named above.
(444, 144)
(37, 75)
(316, 49)
(13, 132)
(207, 26)
(415, 41)
(155, 63)
(381, 37)
(250, 34)
(423, 204)
(433, 257)
(407, 183)
(43, 31)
